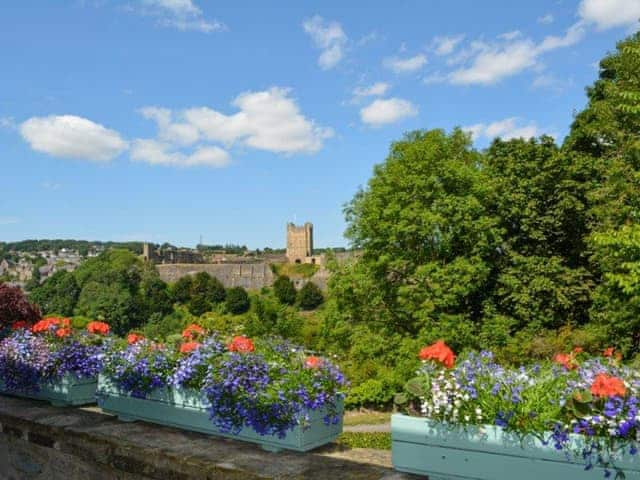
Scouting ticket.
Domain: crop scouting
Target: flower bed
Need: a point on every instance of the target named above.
(576, 417)
(269, 393)
(52, 361)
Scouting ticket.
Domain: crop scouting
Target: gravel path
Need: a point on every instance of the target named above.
(378, 427)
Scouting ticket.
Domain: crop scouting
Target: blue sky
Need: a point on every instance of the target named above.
(164, 120)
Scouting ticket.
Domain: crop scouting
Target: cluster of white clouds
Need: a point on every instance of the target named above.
(182, 15)
(388, 110)
(489, 62)
(268, 120)
(329, 38)
(405, 64)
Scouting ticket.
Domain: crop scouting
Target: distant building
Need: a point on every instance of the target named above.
(300, 244)
(159, 255)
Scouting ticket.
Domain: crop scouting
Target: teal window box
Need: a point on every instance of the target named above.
(448, 452)
(66, 391)
(187, 409)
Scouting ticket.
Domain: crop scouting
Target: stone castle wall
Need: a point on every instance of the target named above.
(252, 276)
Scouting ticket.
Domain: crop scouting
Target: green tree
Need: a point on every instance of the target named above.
(112, 303)
(237, 301)
(284, 290)
(206, 291)
(310, 296)
(181, 289)
(58, 294)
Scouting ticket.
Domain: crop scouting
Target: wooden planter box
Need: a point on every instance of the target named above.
(187, 409)
(67, 391)
(446, 452)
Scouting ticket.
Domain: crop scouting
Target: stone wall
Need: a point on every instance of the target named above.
(40, 442)
(252, 276)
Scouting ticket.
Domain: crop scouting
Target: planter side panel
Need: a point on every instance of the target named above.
(188, 413)
(67, 391)
(489, 453)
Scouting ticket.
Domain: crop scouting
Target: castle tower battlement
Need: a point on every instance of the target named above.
(299, 242)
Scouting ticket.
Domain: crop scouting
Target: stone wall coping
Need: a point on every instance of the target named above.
(147, 451)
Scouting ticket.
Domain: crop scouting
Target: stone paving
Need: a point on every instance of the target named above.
(41, 442)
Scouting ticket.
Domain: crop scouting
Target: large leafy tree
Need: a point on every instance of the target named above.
(428, 241)
(607, 133)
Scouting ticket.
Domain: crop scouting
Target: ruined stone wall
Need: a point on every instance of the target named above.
(252, 276)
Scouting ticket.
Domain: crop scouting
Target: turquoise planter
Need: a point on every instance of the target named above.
(187, 409)
(67, 391)
(445, 452)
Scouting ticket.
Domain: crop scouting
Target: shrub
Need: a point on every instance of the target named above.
(284, 290)
(310, 296)
(57, 294)
(237, 300)
(14, 307)
(181, 289)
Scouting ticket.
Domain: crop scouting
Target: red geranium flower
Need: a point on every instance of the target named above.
(577, 350)
(99, 328)
(134, 338)
(608, 352)
(192, 330)
(313, 362)
(189, 347)
(45, 324)
(19, 324)
(241, 344)
(63, 332)
(439, 352)
(607, 386)
(566, 360)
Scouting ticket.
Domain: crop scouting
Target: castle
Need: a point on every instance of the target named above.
(300, 244)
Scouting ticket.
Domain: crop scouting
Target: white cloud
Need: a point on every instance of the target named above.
(445, 45)
(546, 19)
(436, 77)
(384, 111)
(69, 136)
(182, 15)
(159, 153)
(179, 133)
(267, 120)
(610, 13)
(405, 65)
(512, 35)
(490, 63)
(375, 90)
(327, 36)
(506, 129)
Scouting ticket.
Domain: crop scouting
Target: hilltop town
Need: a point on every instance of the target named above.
(30, 263)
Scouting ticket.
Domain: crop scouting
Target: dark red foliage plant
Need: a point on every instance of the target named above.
(14, 307)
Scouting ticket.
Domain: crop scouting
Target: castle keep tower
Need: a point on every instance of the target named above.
(299, 243)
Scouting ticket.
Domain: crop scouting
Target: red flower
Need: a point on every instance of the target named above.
(607, 386)
(134, 338)
(189, 347)
(192, 330)
(439, 352)
(566, 360)
(577, 350)
(608, 352)
(241, 344)
(63, 332)
(19, 324)
(45, 324)
(99, 328)
(313, 362)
